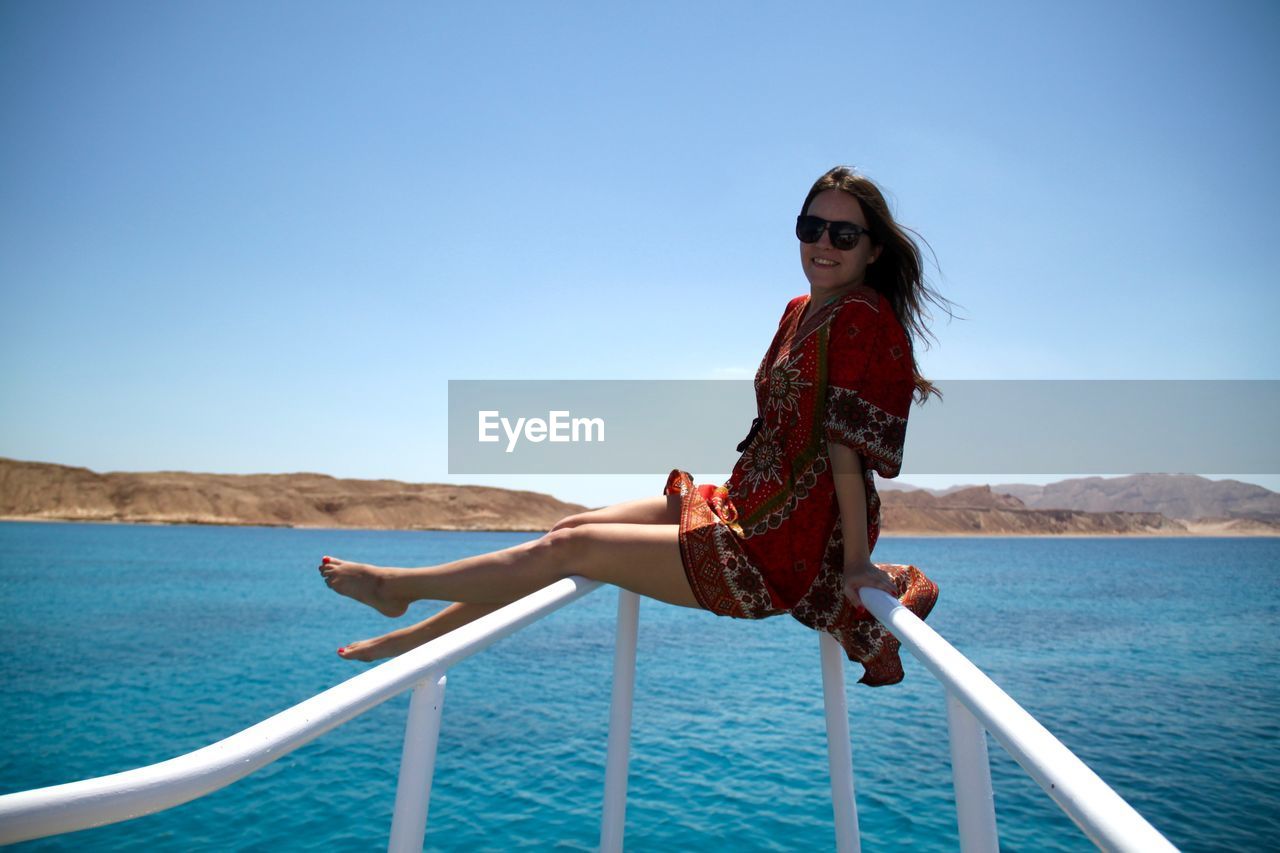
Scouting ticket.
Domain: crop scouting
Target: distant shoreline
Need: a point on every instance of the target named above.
(189, 523)
(1141, 505)
(1185, 534)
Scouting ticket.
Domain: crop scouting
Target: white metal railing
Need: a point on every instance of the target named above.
(145, 790)
(974, 702)
(975, 705)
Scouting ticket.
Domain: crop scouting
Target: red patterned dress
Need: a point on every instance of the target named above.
(769, 540)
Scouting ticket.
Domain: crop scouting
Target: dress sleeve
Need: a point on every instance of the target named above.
(870, 382)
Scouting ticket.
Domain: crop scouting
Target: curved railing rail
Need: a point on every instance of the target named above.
(974, 705)
(974, 702)
(134, 793)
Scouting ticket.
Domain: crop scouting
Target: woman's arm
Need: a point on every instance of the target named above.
(851, 495)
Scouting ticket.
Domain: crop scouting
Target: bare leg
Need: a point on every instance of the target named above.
(403, 639)
(644, 558)
(657, 510)
(498, 577)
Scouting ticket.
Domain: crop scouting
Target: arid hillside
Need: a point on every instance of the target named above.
(37, 490)
(979, 510)
(47, 492)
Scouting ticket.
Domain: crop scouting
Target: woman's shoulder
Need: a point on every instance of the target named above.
(865, 299)
(867, 308)
(796, 304)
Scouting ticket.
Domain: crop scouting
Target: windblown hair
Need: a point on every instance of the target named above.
(898, 272)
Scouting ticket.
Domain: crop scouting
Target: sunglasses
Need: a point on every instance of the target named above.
(843, 235)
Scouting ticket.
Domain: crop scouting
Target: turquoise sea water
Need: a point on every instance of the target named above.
(1154, 660)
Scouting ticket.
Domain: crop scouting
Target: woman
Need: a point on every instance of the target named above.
(833, 394)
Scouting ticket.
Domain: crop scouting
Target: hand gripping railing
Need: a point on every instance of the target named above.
(971, 697)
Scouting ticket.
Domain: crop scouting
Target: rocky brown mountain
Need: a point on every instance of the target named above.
(42, 491)
(984, 510)
(37, 490)
(1175, 495)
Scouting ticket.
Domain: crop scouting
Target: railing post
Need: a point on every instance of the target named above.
(624, 682)
(417, 765)
(971, 776)
(839, 750)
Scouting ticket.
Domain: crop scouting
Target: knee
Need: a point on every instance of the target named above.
(563, 545)
(567, 522)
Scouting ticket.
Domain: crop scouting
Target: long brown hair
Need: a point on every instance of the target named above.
(898, 272)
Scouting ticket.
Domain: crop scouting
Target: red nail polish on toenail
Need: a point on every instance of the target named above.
(340, 651)
(324, 560)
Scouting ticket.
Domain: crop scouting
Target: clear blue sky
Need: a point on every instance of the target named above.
(245, 237)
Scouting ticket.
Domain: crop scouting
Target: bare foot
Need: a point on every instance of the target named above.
(366, 584)
(388, 645)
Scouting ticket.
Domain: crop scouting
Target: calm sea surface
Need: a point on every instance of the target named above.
(1154, 660)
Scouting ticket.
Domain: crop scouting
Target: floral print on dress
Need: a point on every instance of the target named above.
(762, 460)
(785, 387)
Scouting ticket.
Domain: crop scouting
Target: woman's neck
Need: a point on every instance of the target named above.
(826, 295)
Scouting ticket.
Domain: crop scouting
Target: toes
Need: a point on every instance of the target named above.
(355, 651)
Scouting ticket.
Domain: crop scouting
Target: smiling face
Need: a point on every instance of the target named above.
(829, 270)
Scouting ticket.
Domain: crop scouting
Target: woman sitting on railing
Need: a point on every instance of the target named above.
(833, 394)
